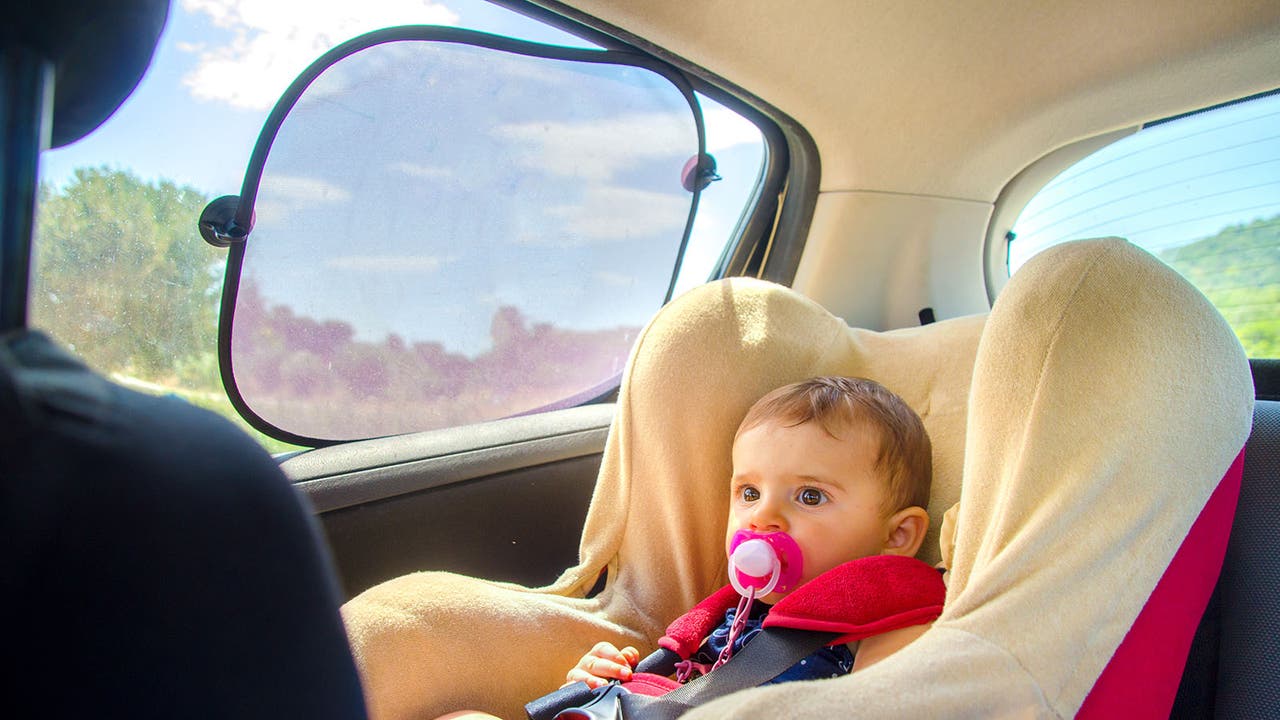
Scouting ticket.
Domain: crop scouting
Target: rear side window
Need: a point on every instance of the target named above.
(450, 228)
(1201, 192)
(352, 330)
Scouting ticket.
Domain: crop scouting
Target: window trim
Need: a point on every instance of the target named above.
(770, 237)
(1020, 190)
(1028, 183)
(1032, 179)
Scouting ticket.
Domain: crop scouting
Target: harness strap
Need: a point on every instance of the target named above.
(768, 655)
(856, 600)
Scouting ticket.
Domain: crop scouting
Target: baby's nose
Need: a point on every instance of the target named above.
(767, 517)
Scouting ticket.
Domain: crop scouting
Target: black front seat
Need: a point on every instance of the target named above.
(157, 564)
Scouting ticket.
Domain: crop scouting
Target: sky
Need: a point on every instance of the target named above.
(220, 67)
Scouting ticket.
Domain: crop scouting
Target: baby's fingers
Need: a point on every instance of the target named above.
(605, 662)
(598, 672)
(616, 668)
(580, 675)
(626, 657)
(630, 655)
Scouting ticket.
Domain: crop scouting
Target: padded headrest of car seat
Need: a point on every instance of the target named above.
(100, 50)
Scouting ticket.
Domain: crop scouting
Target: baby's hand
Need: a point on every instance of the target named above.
(604, 663)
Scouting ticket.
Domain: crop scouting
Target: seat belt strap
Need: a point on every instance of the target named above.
(768, 655)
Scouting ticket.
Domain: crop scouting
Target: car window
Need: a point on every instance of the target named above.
(122, 279)
(1201, 192)
(451, 229)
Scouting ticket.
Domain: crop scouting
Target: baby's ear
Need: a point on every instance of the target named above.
(906, 531)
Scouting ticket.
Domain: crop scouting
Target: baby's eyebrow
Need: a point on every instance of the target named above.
(815, 480)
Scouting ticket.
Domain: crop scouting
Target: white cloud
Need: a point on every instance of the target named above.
(614, 213)
(297, 189)
(274, 40)
(387, 263)
(615, 279)
(418, 170)
(282, 195)
(597, 149)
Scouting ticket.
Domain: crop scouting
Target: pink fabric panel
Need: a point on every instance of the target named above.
(1141, 681)
(650, 684)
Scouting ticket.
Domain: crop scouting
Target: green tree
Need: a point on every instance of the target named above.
(122, 276)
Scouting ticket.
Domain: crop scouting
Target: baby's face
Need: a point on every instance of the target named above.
(822, 491)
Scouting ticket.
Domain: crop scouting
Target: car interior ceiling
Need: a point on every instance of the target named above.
(946, 135)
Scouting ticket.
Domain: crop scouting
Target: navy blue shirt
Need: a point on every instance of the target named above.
(827, 662)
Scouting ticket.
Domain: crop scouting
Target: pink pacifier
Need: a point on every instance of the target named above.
(761, 563)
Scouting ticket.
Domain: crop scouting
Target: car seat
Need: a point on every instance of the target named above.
(157, 564)
(1090, 429)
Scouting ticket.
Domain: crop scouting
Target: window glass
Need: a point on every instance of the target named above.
(121, 277)
(1200, 192)
(449, 233)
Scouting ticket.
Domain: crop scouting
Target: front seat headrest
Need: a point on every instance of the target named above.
(100, 51)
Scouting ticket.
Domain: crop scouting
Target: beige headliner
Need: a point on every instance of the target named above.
(953, 98)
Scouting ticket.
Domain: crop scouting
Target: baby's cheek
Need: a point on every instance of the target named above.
(728, 535)
(821, 560)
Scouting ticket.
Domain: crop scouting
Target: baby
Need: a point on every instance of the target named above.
(842, 466)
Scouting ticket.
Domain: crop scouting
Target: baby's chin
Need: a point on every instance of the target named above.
(773, 597)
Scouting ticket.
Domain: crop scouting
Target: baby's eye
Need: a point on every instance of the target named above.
(812, 497)
(749, 494)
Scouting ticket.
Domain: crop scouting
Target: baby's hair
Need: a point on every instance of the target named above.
(838, 404)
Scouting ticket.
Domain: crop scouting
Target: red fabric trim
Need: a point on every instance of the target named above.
(1141, 680)
(908, 618)
(864, 597)
(686, 634)
(650, 684)
(860, 598)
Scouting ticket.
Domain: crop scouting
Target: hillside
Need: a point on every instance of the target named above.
(1238, 269)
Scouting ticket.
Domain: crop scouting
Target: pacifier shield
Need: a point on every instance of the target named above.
(773, 563)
